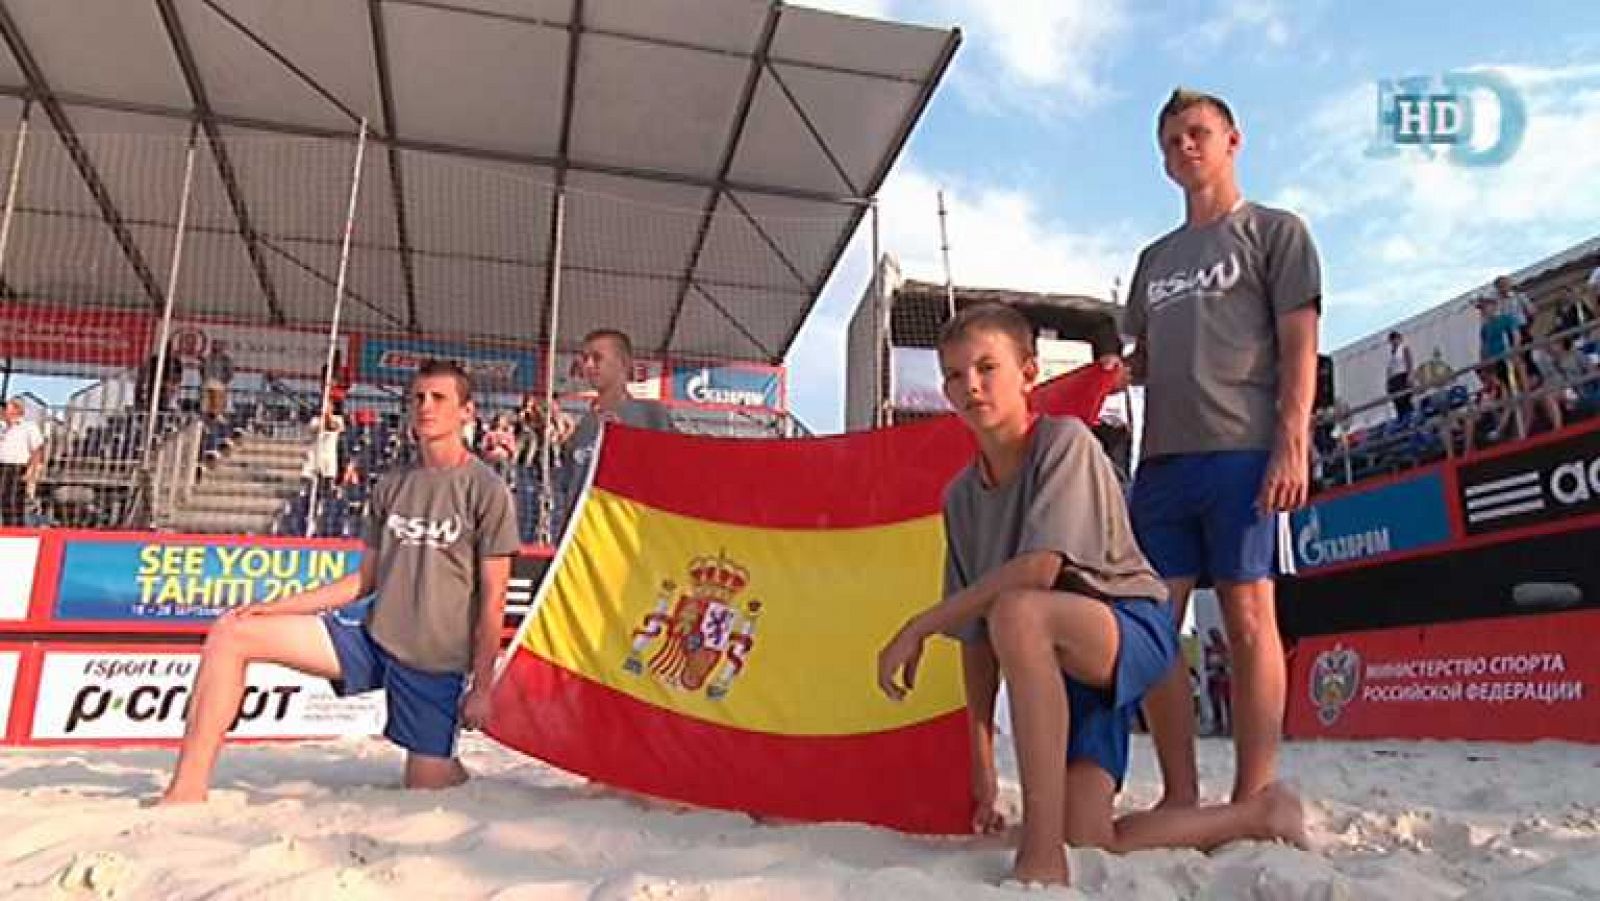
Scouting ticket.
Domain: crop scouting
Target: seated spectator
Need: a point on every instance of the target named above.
(1433, 374)
(1491, 416)
(500, 446)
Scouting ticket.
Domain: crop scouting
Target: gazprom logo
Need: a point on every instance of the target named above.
(1476, 118)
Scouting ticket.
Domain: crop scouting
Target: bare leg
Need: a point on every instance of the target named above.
(1036, 636)
(425, 772)
(1259, 682)
(1170, 713)
(299, 642)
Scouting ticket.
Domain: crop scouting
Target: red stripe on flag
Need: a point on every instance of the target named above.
(873, 478)
(914, 778)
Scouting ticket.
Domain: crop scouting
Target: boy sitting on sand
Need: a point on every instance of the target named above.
(1045, 586)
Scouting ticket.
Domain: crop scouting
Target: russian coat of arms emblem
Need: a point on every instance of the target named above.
(699, 638)
(1335, 677)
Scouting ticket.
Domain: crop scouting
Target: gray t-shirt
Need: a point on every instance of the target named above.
(1065, 499)
(579, 452)
(429, 528)
(1205, 301)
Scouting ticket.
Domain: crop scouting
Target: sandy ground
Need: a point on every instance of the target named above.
(1392, 820)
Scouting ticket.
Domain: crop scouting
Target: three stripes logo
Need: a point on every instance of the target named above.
(527, 571)
(519, 596)
(1511, 496)
(1544, 483)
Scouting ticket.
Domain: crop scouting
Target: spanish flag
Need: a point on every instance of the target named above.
(709, 630)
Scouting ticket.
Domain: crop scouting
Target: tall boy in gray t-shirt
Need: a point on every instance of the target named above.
(439, 549)
(1224, 312)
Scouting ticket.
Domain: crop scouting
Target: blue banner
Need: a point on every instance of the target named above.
(735, 386)
(183, 582)
(396, 360)
(1398, 516)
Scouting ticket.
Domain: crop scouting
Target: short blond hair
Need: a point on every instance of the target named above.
(991, 317)
(1184, 98)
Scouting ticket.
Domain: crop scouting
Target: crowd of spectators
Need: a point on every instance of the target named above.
(1538, 370)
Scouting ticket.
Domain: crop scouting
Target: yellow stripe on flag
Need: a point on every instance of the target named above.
(767, 630)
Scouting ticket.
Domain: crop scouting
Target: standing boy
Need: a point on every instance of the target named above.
(1224, 311)
(440, 538)
(1045, 586)
(606, 363)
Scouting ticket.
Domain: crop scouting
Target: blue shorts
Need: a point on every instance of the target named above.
(1147, 646)
(1195, 516)
(424, 707)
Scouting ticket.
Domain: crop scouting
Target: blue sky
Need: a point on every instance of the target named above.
(1042, 139)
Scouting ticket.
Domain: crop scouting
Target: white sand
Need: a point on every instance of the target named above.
(320, 821)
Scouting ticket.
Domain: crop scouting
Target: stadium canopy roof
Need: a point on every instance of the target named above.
(763, 127)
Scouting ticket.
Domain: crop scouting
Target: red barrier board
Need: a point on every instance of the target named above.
(132, 694)
(98, 336)
(1514, 679)
(99, 633)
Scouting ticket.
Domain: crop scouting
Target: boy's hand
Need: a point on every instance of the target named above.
(986, 816)
(901, 655)
(1284, 487)
(475, 707)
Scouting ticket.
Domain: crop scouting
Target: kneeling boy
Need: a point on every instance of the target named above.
(440, 538)
(1046, 587)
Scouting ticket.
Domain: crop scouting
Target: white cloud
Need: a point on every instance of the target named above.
(1046, 57)
(1048, 44)
(1260, 21)
(999, 238)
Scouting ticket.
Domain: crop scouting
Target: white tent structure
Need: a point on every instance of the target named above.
(714, 157)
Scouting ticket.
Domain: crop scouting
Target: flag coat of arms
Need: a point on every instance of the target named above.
(709, 629)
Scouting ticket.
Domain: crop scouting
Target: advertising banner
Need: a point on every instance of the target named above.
(1370, 524)
(644, 385)
(1514, 679)
(9, 661)
(129, 579)
(124, 695)
(393, 360)
(1540, 574)
(94, 336)
(19, 559)
(1543, 484)
(279, 351)
(728, 386)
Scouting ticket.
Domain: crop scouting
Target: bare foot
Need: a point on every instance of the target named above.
(176, 794)
(1046, 869)
(1283, 816)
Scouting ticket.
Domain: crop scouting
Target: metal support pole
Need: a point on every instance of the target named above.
(883, 337)
(333, 327)
(158, 381)
(13, 185)
(552, 330)
(944, 249)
